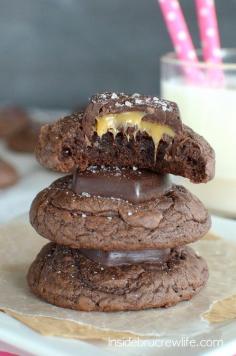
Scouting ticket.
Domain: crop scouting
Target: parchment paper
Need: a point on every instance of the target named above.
(216, 304)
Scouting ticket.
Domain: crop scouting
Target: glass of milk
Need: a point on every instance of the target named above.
(210, 110)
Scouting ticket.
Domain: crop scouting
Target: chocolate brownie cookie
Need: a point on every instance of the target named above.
(11, 120)
(25, 139)
(8, 174)
(173, 218)
(127, 131)
(66, 278)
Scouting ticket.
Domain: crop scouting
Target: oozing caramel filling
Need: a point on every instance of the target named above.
(115, 122)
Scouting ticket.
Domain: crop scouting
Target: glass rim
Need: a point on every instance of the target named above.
(171, 58)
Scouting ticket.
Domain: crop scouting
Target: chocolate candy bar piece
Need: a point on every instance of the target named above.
(118, 258)
(130, 184)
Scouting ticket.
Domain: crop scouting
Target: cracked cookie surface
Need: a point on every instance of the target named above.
(64, 277)
(83, 221)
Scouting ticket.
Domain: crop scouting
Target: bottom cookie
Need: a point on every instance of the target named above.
(64, 277)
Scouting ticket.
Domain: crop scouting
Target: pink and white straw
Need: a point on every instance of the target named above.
(210, 39)
(181, 39)
(209, 32)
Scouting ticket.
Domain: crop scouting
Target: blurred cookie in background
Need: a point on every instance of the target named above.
(24, 140)
(12, 119)
(8, 174)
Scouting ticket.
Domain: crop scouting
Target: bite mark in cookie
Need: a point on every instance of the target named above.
(147, 133)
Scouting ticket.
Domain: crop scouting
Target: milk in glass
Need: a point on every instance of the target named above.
(211, 112)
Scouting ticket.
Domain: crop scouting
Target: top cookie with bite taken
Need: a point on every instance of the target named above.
(123, 130)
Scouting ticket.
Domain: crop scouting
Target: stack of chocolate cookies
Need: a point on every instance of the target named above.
(118, 225)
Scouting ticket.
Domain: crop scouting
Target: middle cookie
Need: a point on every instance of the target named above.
(118, 209)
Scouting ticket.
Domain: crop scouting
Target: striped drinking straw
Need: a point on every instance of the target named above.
(181, 39)
(210, 39)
